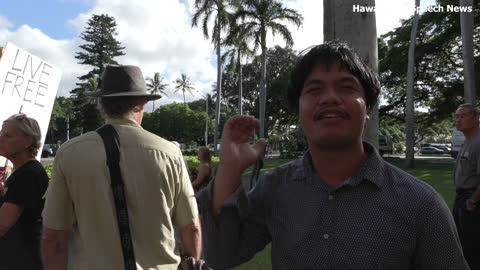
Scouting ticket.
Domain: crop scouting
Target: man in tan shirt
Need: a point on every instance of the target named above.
(158, 192)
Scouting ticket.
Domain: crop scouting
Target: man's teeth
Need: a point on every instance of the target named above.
(331, 116)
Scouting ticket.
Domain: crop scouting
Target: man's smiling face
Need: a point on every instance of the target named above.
(332, 109)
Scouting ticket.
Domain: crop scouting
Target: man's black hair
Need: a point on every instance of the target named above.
(327, 55)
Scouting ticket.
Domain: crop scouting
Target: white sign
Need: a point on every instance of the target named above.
(29, 85)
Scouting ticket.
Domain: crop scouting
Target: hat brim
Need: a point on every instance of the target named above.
(123, 94)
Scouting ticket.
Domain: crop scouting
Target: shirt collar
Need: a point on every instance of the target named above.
(476, 134)
(371, 169)
(123, 122)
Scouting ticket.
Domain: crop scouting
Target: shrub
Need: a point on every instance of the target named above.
(193, 162)
(48, 169)
(190, 152)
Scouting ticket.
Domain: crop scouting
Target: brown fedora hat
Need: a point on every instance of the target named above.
(121, 81)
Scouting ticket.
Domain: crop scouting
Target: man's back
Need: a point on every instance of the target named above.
(158, 194)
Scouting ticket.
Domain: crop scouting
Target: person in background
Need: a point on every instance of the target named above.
(340, 206)
(22, 197)
(158, 192)
(466, 210)
(203, 173)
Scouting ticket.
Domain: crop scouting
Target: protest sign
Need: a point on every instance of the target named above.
(29, 85)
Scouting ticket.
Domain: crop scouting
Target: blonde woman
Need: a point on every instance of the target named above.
(22, 201)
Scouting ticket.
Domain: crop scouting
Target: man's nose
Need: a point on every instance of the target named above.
(330, 96)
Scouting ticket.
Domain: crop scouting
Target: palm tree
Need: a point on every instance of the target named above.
(254, 20)
(155, 86)
(183, 84)
(466, 24)
(238, 50)
(409, 109)
(340, 22)
(205, 9)
(91, 84)
(207, 118)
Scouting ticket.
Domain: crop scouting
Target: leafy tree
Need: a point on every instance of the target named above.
(438, 57)
(155, 86)
(100, 48)
(58, 129)
(199, 105)
(280, 120)
(53, 128)
(183, 84)
(204, 9)
(177, 122)
(281, 61)
(254, 20)
(238, 51)
(437, 132)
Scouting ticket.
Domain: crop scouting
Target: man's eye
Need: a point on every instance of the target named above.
(313, 90)
(348, 87)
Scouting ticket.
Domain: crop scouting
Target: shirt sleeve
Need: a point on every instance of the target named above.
(58, 213)
(239, 231)
(186, 209)
(475, 165)
(476, 151)
(438, 245)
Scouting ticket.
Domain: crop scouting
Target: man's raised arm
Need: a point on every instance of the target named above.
(236, 155)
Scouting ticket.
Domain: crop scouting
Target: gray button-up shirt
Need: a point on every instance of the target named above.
(467, 165)
(380, 218)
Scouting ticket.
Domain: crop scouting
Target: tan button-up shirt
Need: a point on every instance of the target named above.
(158, 192)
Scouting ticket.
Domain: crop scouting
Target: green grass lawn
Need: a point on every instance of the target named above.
(438, 175)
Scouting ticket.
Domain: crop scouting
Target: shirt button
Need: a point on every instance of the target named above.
(330, 197)
(325, 236)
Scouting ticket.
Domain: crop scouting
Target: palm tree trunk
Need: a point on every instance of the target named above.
(206, 121)
(466, 24)
(68, 127)
(240, 86)
(153, 105)
(219, 89)
(345, 25)
(409, 108)
(263, 84)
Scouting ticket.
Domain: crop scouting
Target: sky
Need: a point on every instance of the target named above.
(157, 35)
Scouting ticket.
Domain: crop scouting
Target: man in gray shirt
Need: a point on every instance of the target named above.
(466, 211)
(340, 206)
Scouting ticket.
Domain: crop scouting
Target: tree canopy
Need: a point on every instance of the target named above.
(100, 48)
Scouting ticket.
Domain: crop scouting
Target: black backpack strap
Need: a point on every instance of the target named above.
(111, 141)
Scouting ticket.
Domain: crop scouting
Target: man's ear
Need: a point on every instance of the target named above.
(139, 107)
(367, 117)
